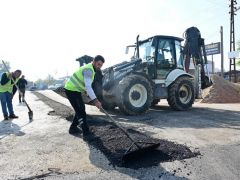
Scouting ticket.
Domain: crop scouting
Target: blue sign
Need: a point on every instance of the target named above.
(213, 48)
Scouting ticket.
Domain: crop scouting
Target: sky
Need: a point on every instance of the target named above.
(43, 37)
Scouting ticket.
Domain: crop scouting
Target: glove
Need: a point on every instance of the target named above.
(98, 104)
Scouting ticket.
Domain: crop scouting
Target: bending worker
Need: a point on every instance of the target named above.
(81, 81)
(7, 90)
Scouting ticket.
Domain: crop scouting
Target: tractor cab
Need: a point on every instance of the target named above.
(162, 55)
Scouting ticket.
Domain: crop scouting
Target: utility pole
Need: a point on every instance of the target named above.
(221, 46)
(232, 69)
(212, 64)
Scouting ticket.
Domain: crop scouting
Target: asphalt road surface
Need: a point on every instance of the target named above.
(43, 149)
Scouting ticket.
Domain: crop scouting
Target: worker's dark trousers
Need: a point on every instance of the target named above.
(21, 95)
(75, 98)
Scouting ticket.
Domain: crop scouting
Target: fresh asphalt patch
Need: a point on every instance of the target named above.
(113, 143)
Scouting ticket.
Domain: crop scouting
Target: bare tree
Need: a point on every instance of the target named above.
(2, 67)
(50, 80)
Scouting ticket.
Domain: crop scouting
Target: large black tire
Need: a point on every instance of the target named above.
(181, 94)
(97, 85)
(155, 102)
(206, 82)
(135, 94)
(108, 106)
(60, 91)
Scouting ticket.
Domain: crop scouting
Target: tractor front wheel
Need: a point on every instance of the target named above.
(135, 94)
(181, 94)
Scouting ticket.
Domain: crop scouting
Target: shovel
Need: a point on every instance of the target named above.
(30, 112)
(139, 144)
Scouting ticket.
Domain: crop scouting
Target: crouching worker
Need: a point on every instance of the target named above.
(80, 82)
(7, 91)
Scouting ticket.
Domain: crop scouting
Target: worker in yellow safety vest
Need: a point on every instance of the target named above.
(7, 90)
(80, 82)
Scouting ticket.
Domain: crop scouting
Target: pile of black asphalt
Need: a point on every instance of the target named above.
(113, 143)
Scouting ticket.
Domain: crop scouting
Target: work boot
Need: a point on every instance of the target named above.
(74, 130)
(5, 117)
(13, 116)
(85, 128)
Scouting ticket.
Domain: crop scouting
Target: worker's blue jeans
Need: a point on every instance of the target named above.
(6, 102)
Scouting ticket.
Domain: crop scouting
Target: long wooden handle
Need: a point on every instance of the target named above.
(120, 127)
(10, 73)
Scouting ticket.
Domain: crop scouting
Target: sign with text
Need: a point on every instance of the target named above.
(213, 48)
(233, 54)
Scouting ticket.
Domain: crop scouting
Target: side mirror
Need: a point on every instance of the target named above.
(127, 49)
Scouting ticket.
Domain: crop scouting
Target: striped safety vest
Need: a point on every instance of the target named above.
(76, 81)
(8, 87)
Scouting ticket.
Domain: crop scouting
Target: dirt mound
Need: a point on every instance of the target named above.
(222, 91)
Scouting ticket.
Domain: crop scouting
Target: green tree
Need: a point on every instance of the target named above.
(238, 63)
(238, 48)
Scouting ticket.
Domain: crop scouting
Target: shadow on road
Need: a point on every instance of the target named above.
(196, 117)
(7, 128)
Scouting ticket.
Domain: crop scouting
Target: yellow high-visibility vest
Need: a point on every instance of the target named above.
(76, 81)
(8, 87)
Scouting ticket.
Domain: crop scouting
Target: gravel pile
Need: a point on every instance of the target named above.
(222, 91)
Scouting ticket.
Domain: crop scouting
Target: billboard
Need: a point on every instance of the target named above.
(213, 48)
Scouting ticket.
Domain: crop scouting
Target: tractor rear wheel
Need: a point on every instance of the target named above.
(155, 102)
(181, 94)
(108, 106)
(135, 94)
